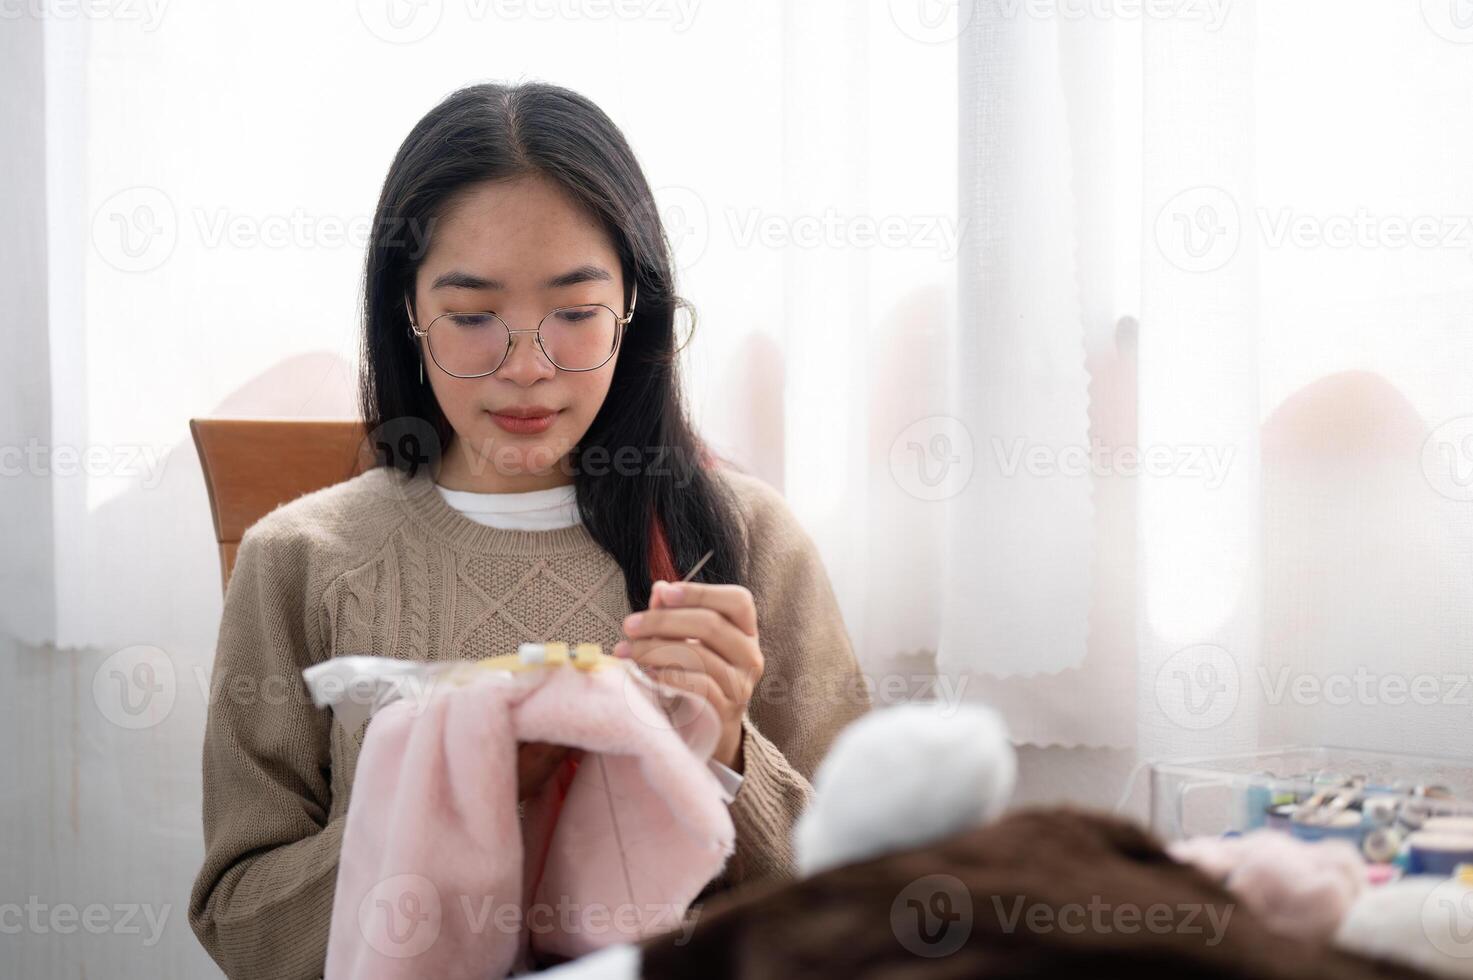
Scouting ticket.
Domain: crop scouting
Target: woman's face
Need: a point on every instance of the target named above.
(502, 246)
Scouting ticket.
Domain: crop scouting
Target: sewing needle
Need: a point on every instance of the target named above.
(688, 576)
(704, 558)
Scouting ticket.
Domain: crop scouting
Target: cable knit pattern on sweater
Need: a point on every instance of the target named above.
(382, 565)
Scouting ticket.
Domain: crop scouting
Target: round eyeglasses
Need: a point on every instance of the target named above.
(573, 338)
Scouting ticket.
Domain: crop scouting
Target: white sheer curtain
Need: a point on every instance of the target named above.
(851, 349)
(1240, 235)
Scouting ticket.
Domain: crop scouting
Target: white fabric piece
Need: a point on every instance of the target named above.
(1420, 920)
(621, 962)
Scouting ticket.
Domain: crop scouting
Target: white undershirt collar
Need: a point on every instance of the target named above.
(533, 510)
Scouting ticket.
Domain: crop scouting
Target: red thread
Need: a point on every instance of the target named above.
(661, 560)
(662, 563)
(562, 779)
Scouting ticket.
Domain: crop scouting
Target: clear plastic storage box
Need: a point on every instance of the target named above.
(1347, 792)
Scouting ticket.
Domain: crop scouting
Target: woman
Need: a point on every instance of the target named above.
(538, 480)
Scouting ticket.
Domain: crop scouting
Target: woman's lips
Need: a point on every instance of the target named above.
(524, 426)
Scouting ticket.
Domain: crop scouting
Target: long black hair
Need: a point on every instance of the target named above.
(656, 517)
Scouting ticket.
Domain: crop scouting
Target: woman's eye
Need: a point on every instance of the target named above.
(473, 320)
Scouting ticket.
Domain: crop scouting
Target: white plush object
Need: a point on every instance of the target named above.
(1425, 921)
(905, 776)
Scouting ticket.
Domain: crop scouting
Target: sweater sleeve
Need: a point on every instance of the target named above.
(811, 687)
(262, 901)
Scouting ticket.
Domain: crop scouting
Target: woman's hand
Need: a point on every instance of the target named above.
(536, 762)
(701, 638)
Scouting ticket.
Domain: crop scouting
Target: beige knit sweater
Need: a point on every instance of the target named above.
(382, 565)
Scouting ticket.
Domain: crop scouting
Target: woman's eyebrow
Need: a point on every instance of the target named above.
(584, 273)
(456, 279)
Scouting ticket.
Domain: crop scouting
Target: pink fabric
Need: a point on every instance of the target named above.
(432, 879)
(1299, 888)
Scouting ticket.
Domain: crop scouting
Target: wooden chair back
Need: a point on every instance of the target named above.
(252, 466)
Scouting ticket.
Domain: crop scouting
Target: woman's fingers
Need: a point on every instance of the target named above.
(692, 682)
(669, 657)
(701, 638)
(705, 625)
(734, 602)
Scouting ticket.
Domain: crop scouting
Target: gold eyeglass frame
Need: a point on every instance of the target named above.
(621, 323)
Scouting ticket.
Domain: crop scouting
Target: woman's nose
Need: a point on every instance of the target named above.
(526, 362)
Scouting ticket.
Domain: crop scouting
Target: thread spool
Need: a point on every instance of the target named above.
(1280, 816)
(1345, 825)
(1380, 811)
(1449, 825)
(1422, 805)
(1432, 853)
(1382, 845)
(1258, 798)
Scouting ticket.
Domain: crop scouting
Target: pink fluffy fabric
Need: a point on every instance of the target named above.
(1299, 888)
(439, 877)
